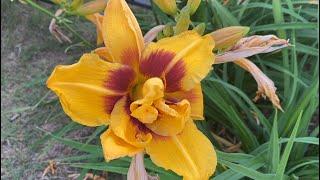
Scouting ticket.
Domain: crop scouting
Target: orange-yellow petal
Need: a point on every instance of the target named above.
(170, 124)
(127, 128)
(189, 154)
(104, 53)
(145, 113)
(114, 147)
(183, 60)
(88, 90)
(194, 96)
(121, 33)
(96, 19)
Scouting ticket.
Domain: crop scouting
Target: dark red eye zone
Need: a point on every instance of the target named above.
(120, 79)
(155, 64)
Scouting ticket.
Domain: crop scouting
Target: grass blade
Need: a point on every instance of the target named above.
(246, 171)
(274, 146)
(287, 150)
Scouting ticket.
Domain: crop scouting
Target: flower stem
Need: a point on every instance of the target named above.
(59, 20)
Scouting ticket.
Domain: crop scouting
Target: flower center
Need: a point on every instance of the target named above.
(152, 110)
(147, 96)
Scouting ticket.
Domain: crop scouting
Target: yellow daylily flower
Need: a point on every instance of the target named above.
(148, 94)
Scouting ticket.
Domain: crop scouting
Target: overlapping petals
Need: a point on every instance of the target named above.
(194, 97)
(147, 95)
(120, 148)
(161, 117)
(189, 154)
(126, 127)
(183, 60)
(87, 90)
(121, 33)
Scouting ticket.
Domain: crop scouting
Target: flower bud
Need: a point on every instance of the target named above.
(59, 1)
(183, 21)
(193, 5)
(200, 28)
(160, 36)
(91, 7)
(75, 4)
(168, 30)
(229, 36)
(167, 6)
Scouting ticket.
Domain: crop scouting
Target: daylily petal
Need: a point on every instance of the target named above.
(168, 125)
(145, 113)
(164, 108)
(121, 33)
(127, 128)
(114, 147)
(189, 154)
(183, 60)
(96, 19)
(104, 53)
(87, 90)
(194, 96)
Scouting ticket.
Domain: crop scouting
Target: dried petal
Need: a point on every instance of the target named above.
(266, 86)
(55, 30)
(250, 46)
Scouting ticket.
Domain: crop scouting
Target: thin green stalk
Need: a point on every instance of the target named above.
(35, 5)
(278, 18)
(77, 34)
(294, 59)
